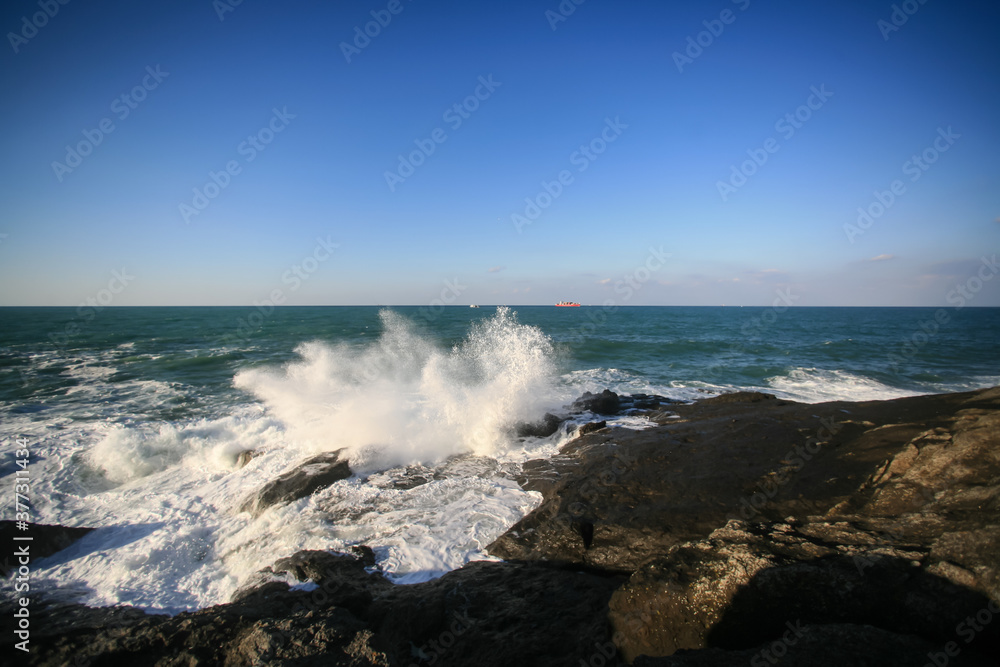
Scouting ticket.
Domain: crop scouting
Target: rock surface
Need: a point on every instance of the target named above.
(742, 529)
(489, 614)
(737, 456)
(303, 480)
(45, 540)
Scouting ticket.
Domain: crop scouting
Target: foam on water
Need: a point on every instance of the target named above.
(403, 400)
(814, 385)
(166, 495)
(152, 463)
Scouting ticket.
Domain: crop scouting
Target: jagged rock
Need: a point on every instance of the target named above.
(642, 402)
(45, 540)
(485, 614)
(245, 457)
(747, 530)
(744, 457)
(303, 480)
(543, 428)
(591, 427)
(741, 586)
(605, 403)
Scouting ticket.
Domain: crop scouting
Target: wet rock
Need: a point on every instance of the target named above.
(741, 397)
(543, 428)
(45, 539)
(245, 457)
(747, 530)
(303, 480)
(605, 403)
(644, 402)
(591, 427)
(488, 614)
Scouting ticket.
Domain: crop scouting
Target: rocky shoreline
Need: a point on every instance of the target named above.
(741, 529)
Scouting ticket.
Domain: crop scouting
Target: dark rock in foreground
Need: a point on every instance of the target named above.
(867, 522)
(605, 403)
(485, 614)
(305, 479)
(45, 540)
(741, 530)
(543, 428)
(741, 456)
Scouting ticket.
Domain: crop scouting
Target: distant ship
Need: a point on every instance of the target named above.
(572, 304)
(473, 306)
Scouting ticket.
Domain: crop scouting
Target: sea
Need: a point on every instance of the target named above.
(134, 419)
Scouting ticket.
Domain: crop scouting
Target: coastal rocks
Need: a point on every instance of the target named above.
(486, 614)
(245, 457)
(609, 403)
(605, 403)
(305, 479)
(45, 540)
(543, 428)
(591, 427)
(746, 584)
(742, 530)
(738, 456)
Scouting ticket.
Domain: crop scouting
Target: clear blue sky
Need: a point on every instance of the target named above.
(678, 128)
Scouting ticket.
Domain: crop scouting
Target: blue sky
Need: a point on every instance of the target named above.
(643, 139)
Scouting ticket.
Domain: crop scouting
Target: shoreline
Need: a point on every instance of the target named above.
(732, 529)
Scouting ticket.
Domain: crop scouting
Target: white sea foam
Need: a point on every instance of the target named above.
(403, 400)
(814, 385)
(166, 495)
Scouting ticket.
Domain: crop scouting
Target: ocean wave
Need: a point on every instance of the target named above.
(816, 385)
(401, 399)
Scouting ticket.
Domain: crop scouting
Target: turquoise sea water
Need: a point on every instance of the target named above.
(875, 349)
(135, 417)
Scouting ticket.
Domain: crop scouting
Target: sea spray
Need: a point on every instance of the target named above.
(403, 399)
